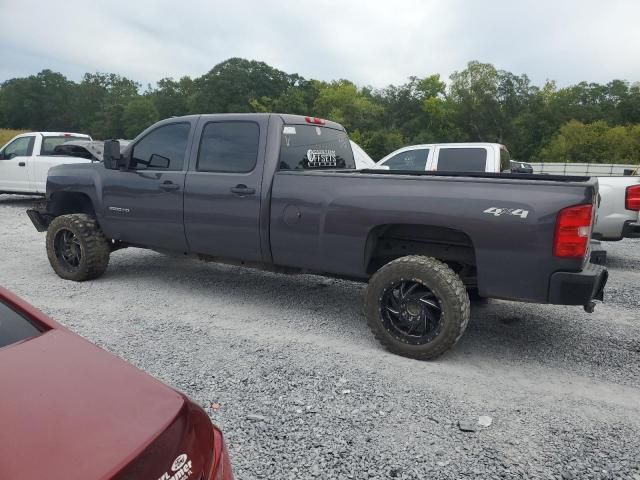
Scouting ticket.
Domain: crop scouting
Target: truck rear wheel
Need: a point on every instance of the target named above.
(77, 248)
(417, 307)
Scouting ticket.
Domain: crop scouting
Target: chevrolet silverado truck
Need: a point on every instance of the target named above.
(281, 192)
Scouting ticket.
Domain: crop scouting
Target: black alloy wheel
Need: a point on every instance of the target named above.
(68, 250)
(411, 312)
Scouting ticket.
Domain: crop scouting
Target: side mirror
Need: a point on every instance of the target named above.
(111, 154)
(158, 161)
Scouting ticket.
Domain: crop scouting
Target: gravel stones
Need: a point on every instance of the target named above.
(562, 386)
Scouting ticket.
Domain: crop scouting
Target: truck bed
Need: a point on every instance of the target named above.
(325, 220)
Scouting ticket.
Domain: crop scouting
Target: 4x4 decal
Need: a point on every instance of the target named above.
(497, 211)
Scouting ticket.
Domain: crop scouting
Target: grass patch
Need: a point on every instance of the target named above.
(6, 135)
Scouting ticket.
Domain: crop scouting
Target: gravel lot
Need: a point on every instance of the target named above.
(306, 392)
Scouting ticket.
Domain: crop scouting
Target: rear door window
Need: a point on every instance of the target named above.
(468, 159)
(415, 160)
(229, 147)
(14, 327)
(310, 147)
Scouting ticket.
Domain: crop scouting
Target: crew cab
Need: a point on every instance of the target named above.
(26, 159)
(449, 157)
(281, 192)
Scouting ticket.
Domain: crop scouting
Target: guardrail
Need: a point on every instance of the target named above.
(592, 169)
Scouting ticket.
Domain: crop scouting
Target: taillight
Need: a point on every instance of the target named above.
(632, 198)
(221, 465)
(573, 229)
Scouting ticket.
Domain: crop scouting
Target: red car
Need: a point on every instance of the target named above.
(70, 410)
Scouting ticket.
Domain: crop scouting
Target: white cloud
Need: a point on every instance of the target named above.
(371, 42)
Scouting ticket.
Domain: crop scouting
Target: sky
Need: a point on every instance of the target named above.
(371, 42)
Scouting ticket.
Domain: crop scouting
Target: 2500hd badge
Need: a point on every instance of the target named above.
(180, 469)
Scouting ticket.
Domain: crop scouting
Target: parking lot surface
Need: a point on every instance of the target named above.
(286, 366)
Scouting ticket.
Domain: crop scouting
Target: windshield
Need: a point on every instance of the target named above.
(14, 327)
(50, 143)
(311, 147)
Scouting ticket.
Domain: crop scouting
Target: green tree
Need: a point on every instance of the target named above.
(138, 115)
(231, 86)
(100, 103)
(343, 102)
(596, 142)
(171, 97)
(39, 102)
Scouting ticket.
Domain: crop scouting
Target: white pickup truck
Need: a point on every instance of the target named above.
(449, 157)
(25, 160)
(618, 214)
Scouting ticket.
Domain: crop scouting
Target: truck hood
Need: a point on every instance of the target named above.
(71, 410)
(89, 149)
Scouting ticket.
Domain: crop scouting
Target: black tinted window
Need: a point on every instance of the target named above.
(409, 160)
(462, 160)
(14, 327)
(162, 149)
(310, 147)
(229, 147)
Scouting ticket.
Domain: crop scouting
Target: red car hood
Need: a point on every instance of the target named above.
(71, 410)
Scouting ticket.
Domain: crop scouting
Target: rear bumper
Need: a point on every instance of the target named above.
(631, 229)
(578, 288)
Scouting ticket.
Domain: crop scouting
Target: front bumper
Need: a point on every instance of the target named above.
(631, 229)
(578, 288)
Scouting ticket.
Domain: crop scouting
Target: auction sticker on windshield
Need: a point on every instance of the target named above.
(321, 158)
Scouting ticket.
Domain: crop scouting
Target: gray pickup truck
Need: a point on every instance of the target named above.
(281, 192)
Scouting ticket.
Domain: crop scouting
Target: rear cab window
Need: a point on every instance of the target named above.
(49, 144)
(14, 327)
(314, 147)
(467, 159)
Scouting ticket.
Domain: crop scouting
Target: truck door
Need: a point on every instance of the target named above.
(14, 165)
(223, 186)
(143, 205)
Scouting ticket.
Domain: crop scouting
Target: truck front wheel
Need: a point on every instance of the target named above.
(417, 307)
(77, 248)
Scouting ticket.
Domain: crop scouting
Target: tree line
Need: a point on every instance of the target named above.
(586, 122)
